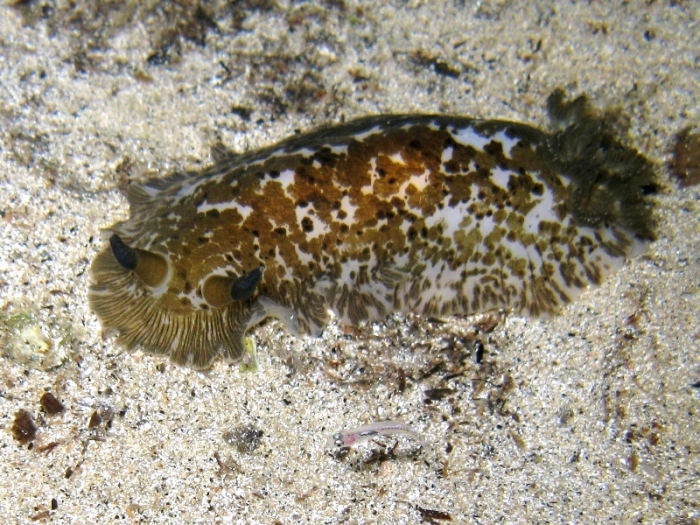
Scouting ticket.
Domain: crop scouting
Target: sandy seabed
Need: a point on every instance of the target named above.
(588, 417)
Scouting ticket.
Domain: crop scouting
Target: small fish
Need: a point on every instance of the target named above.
(353, 436)
(434, 215)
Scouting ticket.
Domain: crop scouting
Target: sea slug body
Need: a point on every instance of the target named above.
(430, 214)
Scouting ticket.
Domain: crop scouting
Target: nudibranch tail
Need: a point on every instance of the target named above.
(428, 214)
(609, 181)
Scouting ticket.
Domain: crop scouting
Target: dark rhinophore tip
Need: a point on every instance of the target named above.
(125, 256)
(220, 290)
(244, 286)
(150, 267)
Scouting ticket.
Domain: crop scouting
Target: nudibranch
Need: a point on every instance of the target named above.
(427, 214)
